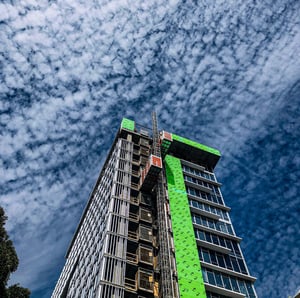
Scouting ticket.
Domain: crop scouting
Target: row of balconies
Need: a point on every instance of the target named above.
(143, 280)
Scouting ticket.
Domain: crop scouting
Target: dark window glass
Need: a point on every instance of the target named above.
(230, 230)
(235, 248)
(208, 237)
(215, 239)
(226, 282)
(201, 235)
(235, 264)
(221, 261)
(204, 275)
(222, 228)
(213, 258)
(211, 224)
(234, 284)
(249, 288)
(242, 266)
(200, 255)
(218, 279)
(225, 215)
(242, 287)
(222, 241)
(205, 256)
(204, 222)
(211, 278)
(227, 262)
(228, 244)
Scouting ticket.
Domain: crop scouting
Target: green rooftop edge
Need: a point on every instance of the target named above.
(195, 145)
(188, 266)
(127, 124)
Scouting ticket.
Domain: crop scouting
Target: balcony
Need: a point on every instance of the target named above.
(133, 217)
(145, 215)
(134, 200)
(131, 258)
(130, 284)
(135, 173)
(134, 186)
(133, 235)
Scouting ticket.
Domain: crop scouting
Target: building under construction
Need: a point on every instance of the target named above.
(155, 225)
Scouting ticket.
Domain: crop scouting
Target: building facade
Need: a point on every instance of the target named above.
(156, 225)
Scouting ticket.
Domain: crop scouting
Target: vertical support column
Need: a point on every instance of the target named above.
(189, 273)
(112, 278)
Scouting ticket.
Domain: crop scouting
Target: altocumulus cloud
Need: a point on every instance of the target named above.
(225, 73)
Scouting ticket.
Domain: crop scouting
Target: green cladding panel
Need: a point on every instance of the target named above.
(196, 145)
(127, 124)
(189, 273)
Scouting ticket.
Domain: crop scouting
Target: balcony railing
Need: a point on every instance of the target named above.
(131, 257)
(133, 235)
(133, 216)
(130, 284)
(134, 200)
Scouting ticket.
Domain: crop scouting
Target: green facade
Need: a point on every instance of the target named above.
(195, 145)
(189, 273)
(127, 124)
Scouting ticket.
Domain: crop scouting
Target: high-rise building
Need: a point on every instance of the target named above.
(155, 225)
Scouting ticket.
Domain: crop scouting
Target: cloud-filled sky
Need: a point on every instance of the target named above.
(225, 73)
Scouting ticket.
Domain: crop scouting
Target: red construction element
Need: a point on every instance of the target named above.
(167, 136)
(150, 173)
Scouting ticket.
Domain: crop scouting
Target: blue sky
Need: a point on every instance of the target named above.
(224, 73)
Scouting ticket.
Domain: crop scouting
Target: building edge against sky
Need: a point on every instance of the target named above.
(156, 225)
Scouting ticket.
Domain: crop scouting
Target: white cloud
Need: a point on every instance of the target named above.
(216, 72)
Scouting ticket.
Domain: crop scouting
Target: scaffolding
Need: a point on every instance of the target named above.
(165, 263)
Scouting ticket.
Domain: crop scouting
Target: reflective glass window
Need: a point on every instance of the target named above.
(208, 236)
(211, 278)
(213, 258)
(221, 260)
(206, 257)
(234, 284)
(227, 262)
(215, 239)
(222, 241)
(242, 287)
(250, 288)
(201, 235)
(242, 266)
(204, 275)
(211, 224)
(218, 279)
(235, 248)
(235, 264)
(227, 282)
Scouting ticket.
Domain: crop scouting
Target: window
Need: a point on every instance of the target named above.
(219, 280)
(201, 235)
(235, 264)
(204, 275)
(227, 262)
(215, 239)
(227, 282)
(211, 278)
(208, 237)
(221, 261)
(234, 284)
(250, 289)
(213, 258)
(242, 287)
(206, 257)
